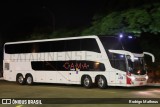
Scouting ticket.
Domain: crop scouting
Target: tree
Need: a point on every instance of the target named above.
(135, 20)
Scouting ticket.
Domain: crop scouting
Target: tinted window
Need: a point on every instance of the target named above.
(111, 43)
(43, 46)
(72, 45)
(57, 46)
(131, 44)
(54, 46)
(118, 61)
(19, 48)
(89, 45)
(67, 66)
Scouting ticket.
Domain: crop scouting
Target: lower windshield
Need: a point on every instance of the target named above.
(137, 67)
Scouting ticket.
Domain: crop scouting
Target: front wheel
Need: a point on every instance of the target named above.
(87, 82)
(102, 82)
(29, 80)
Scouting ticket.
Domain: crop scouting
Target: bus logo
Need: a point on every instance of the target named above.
(6, 101)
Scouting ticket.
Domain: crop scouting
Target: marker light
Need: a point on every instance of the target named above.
(121, 35)
(146, 77)
(130, 37)
(121, 56)
(138, 71)
(97, 63)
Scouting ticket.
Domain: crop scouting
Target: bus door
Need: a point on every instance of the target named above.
(118, 62)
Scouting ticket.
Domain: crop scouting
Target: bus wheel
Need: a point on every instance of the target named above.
(20, 80)
(87, 81)
(29, 79)
(102, 82)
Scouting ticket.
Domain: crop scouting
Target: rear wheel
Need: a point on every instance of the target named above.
(29, 79)
(102, 82)
(87, 82)
(20, 80)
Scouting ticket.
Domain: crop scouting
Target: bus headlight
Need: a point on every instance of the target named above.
(132, 78)
(146, 77)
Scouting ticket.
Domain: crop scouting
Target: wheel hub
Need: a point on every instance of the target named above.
(20, 79)
(86, 81)
(100, 82)
(29, 80)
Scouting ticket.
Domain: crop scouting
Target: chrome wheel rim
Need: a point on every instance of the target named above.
(20, 79)
(100, 82)
(86, 81)
(29, 80)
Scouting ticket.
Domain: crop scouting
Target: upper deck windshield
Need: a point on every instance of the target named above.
(128, 43)
(131, 44)
(137, 67)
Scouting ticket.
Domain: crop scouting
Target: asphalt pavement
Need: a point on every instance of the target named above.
(13, 90)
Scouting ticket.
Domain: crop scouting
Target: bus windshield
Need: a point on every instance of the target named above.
(137, 67)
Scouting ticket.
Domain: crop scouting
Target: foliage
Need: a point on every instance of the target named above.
(135, 20)
(155, 25)
(149, 43)
(107, 25)
(65, 33)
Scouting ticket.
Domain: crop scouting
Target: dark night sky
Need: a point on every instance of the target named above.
(20, 18)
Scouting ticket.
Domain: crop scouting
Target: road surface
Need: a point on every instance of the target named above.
(13, 90)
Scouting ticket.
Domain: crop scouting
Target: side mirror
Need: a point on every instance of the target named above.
(147, 53)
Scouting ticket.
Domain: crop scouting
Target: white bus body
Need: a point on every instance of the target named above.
(75, 60)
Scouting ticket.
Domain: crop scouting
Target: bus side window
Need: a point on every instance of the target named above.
(118, 61)
(89, 45)
(72, 45)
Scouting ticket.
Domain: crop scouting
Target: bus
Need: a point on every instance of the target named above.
(86, 60)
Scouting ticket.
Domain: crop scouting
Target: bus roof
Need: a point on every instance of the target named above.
(54, 39)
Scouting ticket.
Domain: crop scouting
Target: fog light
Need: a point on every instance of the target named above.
(146, 77)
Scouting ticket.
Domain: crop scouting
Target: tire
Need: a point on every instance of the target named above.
(87, 82)
(20, 79)
(102, 82)
(29, 80)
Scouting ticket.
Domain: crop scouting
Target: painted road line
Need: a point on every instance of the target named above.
(19, 105)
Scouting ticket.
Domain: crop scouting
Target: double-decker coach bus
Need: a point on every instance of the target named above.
(87, 60)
